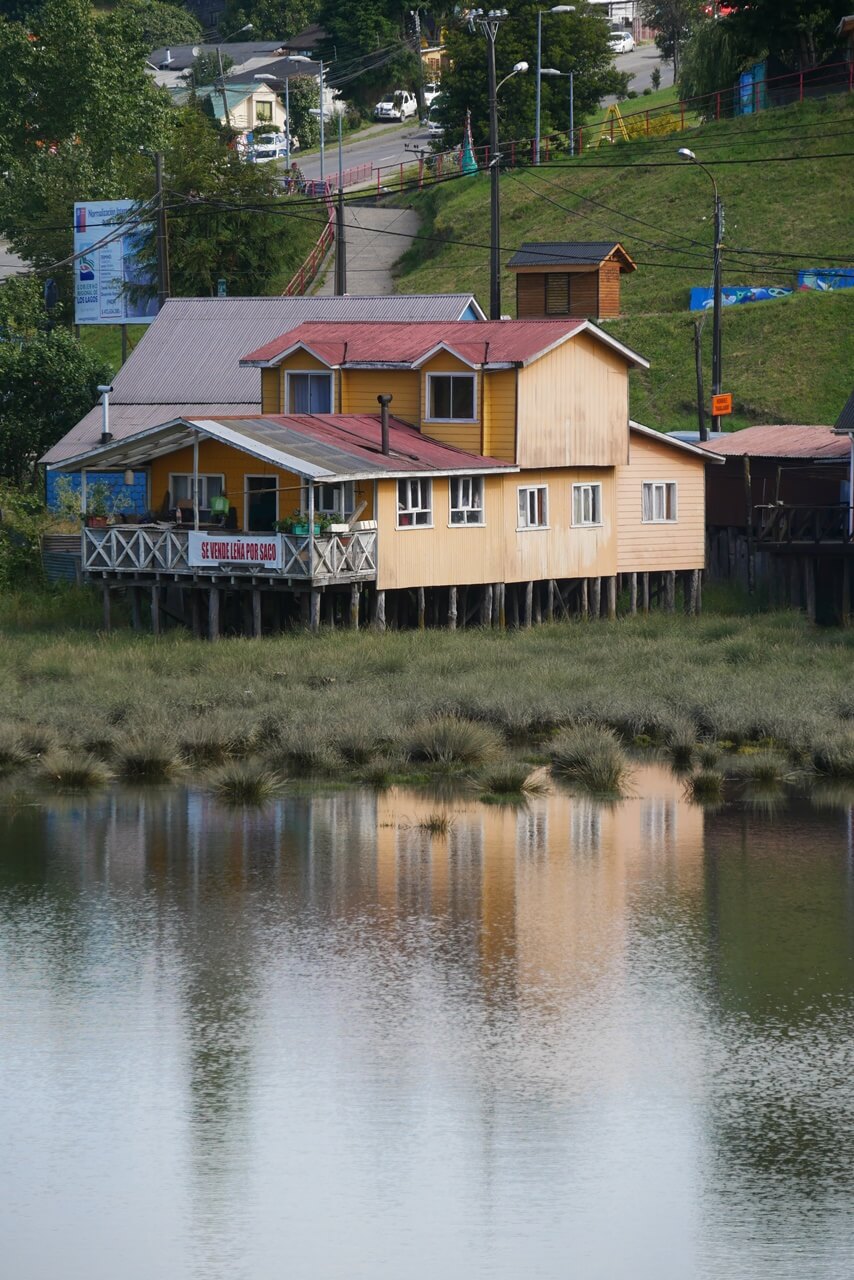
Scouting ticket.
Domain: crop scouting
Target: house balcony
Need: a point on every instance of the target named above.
(146, 552)
(785, 527)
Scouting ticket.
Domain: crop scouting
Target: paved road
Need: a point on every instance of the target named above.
(9, 262)
(383, 145)
(640, 64)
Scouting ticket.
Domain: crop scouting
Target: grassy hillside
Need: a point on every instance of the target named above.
(790, 360)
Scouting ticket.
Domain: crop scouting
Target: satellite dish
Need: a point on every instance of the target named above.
(196, 50)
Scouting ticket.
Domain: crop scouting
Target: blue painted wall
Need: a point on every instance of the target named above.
(134, 497)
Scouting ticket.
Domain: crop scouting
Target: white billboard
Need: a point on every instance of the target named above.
(104, 275)
(208, 550)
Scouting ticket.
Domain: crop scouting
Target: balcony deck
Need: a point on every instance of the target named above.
(802, 529)
(140, 553)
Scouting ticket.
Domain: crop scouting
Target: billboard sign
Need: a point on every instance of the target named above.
(735, 295)
(105, 273)
(209, 550)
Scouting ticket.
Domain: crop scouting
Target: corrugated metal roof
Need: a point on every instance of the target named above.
(672, 439)
(491, 342)
(314, 445)
(190, 353)
(129, 419)
(845, 421)
(567, 253)
(781, 442)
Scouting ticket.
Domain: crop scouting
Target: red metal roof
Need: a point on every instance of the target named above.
(351, 441)
(490, 342)
(781, 442)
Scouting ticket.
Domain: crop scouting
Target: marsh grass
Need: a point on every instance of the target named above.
(590, 756)
(149, 758)
(705, 786)
(761, 768)
(12, 752)
(834, 758)
(245, 784)
(435, 824)
(511, 779)
(452, 741)
(65, 771)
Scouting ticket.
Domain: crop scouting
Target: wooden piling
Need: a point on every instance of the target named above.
(422, 609)
(195, 613)
(845, 613)
(670, 590)
(452, 608)
(529, 602)
(633, 594)
(213, 612)
(809, 587)
(486, 606)
(304, 609)
(501, 605)
(595, 596)
(314, 610)
(105, 596)
(584, 600)
(155, 609)
(645, 592)
(355, 592)
(136, 608)
(256, 613)
(612, 598)
(550, 600)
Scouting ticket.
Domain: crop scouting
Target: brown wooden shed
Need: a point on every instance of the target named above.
(569, 278)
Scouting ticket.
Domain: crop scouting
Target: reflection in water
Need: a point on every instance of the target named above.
(375, 1035)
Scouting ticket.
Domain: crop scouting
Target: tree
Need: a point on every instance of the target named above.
(577, 42)
(271, 19)
(798, 32)
(712, 59)
(163, 24)
(304, 97)
(372, 46)
(674, 22)
(206, 68)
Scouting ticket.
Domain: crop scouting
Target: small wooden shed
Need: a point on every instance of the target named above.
(569, 278)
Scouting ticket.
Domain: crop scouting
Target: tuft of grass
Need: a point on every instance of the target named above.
(681, 743)
(435, 824)
(764, 767)
(835, 757)
(454, 741)
(706, 786)
(12, 753)
(149, 759)
(67, 772)
(380, 772)
(242, 783)
(511, 779)
(590, 756)
(708, 756)
(206, 744)
(305, 756)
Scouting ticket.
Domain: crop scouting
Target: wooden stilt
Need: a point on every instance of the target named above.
(314, 610)
(105, 596)
(422, 612)
(355, 592)
(304, 610)
(136, 608)
(486, 606)
(584, 599)
(195, 613)
(612, 598)
(213, 612)
(809, 587)
(845, 618)
(670, 590)
(514, 604)
(529, 602)
(379, 610)
(550, 600)
(595, 597)
(330, 610)
(645, 592)
(538, 603)
(501, 591)
(256, 613)
(633, 594)
(155, 609)
(698, 598)
(452, 608)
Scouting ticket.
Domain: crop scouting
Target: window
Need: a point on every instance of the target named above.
(466, 500)
(181, 488)
(263, 112)
(450, 397)
(557, 294)
(659, 501)
(534, 507)
(586, 504)
(333, 499)
(414, 503)
(309, 392)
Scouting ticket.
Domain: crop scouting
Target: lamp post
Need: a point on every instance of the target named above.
(340, 245)
(322, 127)
(219, 43)
(489, 24)
(718, 264)
(570, 76)
(278, 84)
(558, 8)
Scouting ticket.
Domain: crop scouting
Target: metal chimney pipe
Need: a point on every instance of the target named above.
(106, 433)
(384, 402)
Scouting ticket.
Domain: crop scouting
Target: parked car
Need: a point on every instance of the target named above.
(271, 146)
(431, 92)
(622, 41)
(434, 128)
(399, 105)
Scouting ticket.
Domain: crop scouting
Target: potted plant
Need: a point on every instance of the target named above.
(98, 504)
(297, 524)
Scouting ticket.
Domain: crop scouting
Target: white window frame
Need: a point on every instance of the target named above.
(594, 489)
(473, 379)
(315, 373)
(524, 524)
(654, 488)
(204, 503)
(274, 488)
(424, 489)
(472, 486)
(345, 488)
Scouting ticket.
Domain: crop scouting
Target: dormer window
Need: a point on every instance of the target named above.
(450, 397)
(308, 392)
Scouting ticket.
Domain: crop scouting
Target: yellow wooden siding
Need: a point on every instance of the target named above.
(362, 386)
(574, 407)
(672, 545)
(499, 414)
(302, 362)
(220, 459)
(497, 552)
(463, 435)
(271, 391)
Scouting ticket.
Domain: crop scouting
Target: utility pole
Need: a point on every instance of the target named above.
(322, 127)
(163, 284)
(701, 395)
(340, 244)
(490, 28)
(717, 374)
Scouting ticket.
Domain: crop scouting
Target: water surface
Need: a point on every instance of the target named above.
(321, 1042)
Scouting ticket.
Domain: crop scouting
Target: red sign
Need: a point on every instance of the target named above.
(721, 406)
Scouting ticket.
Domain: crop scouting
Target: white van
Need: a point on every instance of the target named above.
(270, 146)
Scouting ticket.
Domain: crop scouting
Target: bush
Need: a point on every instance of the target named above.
(835, 757)
(452, 740)
(511, 779)
(245, 784)
(68, 772)
(590, 756)
(707, 786)
(148, 758)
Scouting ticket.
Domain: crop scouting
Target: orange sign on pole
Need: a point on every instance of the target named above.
(721, 406)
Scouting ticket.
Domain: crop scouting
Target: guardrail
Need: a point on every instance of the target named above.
(301, 279)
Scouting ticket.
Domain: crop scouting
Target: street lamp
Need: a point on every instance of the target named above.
(489, 24)
(718, 265)
(558, 8)
(570, 76)
(219, 43)
(276, 83)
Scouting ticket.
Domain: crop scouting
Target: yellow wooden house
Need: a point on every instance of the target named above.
(431, 472)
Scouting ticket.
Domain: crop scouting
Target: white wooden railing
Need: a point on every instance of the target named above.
(134, 549)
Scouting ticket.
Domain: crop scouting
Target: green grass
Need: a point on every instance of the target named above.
(590, 756)
(770, 206)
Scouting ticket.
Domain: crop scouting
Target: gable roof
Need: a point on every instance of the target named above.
(375, 344)
(813, 443)
(569, 253)
(845, 421)
(660, 437)
(317, 446)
